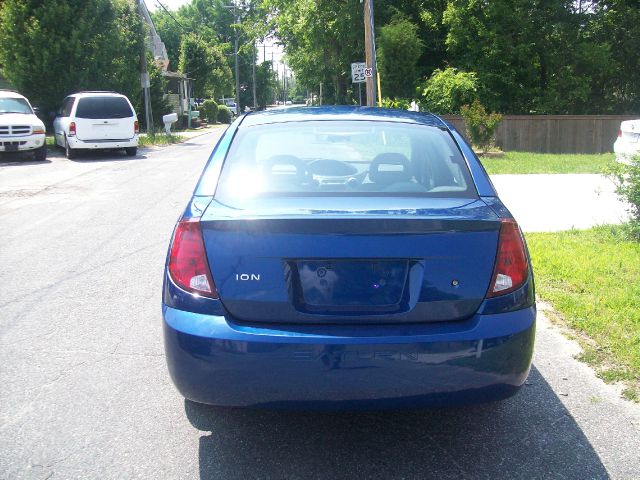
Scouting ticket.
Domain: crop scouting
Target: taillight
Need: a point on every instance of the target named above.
(619, 133)
(188, 265)
(136, 127)
(512, 268)
(72, 129)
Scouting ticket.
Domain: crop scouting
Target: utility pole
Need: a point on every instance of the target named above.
(370, 51)
(253, 67)
(144, 75)
(235, 53)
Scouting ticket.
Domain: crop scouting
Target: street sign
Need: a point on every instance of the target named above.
(358, 72)
(368, 72)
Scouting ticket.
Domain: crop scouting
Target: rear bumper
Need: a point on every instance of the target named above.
(23, 143)
(212, 360)
(75, 142)
(626, 150)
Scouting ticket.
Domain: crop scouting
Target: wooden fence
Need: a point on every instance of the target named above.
(554, 133)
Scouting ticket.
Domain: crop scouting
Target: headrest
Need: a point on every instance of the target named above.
(388, 168)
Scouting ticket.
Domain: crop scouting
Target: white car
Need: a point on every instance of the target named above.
(231, 105)
(20, 129)
(96, 120)
(627, 145)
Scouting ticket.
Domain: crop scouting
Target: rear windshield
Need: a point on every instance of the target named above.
(352, 158)
(103, 107)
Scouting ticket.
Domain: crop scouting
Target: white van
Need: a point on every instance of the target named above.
(96, 120)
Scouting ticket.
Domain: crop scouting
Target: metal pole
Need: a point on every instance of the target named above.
(370, 51)
(360, 93)
(320, 99)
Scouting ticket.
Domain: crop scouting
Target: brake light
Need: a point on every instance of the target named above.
(619, 133)
(136, 127)
(511, 269)
(72, 129)
(188, 265)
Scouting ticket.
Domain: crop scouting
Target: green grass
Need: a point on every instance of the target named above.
(592, 278)
(159, 139)
(525, 162)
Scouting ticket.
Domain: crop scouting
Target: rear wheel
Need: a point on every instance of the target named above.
(131, 151)
(40, 154)
(68, 151)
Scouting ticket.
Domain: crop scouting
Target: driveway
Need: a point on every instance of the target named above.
(84, 390)
(546, 203)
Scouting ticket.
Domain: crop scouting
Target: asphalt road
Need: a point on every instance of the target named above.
(84, 391)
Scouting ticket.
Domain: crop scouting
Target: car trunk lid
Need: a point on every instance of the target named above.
(332, 260)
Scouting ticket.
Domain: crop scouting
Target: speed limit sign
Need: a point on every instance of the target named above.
(358, 72)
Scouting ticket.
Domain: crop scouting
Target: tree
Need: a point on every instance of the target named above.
(399, 49)
(47, 57)
(321, 39)
(447, 90)
(265, 84)
(206, 64)
(530, 56)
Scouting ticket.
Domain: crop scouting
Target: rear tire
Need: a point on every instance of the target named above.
(40, 154)
(69, 152)
(131, 151)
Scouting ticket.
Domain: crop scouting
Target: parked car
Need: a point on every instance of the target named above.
(346, 257)
(627, 145)
(96, 120)
(20, 129)
(231, 105)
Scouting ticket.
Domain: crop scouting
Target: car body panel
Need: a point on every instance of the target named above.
(627, 145)
(212, 360)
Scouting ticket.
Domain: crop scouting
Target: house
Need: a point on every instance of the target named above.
(178, 84)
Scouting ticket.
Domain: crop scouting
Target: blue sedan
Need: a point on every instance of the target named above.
(346, 257)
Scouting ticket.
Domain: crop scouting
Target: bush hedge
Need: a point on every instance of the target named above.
(224, 114)
(210, 110)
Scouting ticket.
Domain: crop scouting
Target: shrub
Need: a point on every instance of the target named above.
(210, 110)
(627, 181)
(445, 91)
(401, 103)
(224, 114)
(480, 125)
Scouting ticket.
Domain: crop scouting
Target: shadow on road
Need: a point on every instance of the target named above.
(528, 436)
(19, 159)
(93, 156)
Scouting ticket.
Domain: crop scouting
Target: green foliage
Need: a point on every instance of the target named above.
(49, 49)
(400, 103)
(321, 39)
(224, 114)
(627, 180)
(592, 277)
(207, 65)
(529, 162)
(210, 109)
(480, 125)
(399, 49)
(447, 90)
(265, 84)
